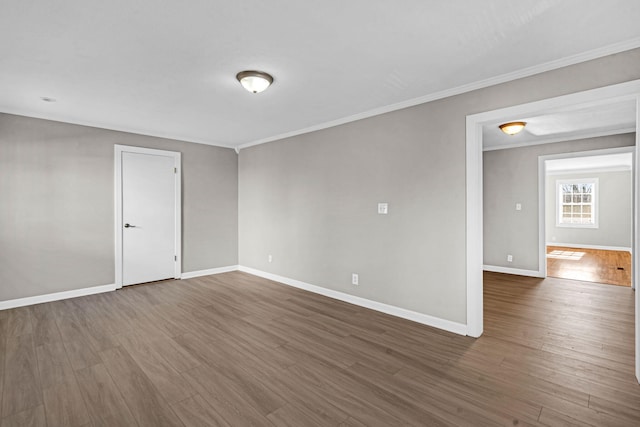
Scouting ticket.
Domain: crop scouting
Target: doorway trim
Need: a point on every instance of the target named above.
(119, 150)
(474, 193)
(542, 200)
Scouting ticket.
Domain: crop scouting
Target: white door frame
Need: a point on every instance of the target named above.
(542, 200)
(601, 96)
(119, 150)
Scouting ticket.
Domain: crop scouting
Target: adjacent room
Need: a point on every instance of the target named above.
(356, 213)
(588, 209)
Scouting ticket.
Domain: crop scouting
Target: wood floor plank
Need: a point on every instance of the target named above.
(33, 417)
(627, 412)
(370, 404)
(65, 406)
(238, 350)
(80, 353)
(298, 414)
(351, 422)
(53, 364)
(22, 389)
(146, 404)
(73, 325)
(591, 265)
(196, 412)
(167, 380)
(45, 329)
(19, 322)
(104, 402)
(221, 395)
(238, 384)
(180, 359)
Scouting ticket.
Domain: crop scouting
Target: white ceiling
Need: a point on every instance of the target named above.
(168, 68)
(620, 161)
(563, 125)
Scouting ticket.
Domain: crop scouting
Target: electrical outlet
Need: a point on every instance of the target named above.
(509, 258)
(270, 258)
(518, 206)
(354, 279)
(383, 208)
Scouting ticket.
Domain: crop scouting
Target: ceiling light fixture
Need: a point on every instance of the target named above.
(47, 99)
(512, 128)
(254, 81)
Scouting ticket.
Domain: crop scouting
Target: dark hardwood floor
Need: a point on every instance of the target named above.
(237, 350)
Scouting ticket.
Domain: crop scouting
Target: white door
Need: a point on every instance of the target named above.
(149, 216)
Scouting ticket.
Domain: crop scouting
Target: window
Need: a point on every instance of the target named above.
(577, 203)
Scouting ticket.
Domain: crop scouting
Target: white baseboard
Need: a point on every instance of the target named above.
(192, 274)
(447, 325)
(21, 302)
(516, 271)
(578, 246)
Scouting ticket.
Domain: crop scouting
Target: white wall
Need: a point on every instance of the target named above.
(57, 205)
(310, 200)
(614, 197)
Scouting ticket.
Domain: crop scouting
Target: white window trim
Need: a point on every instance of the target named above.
(594, 203)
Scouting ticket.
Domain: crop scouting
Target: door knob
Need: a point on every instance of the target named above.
(127, 225)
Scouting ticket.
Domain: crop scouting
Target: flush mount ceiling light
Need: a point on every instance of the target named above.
(254, 81)
(512, 128)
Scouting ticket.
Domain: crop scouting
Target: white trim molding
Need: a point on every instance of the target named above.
(581, 246)
(57, 296)
(209, 272)
(516, 271)
(436, 322)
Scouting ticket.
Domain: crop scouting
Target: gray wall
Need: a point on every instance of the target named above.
(510, 177)
(310, 200)
(57, 208)
(614, 197)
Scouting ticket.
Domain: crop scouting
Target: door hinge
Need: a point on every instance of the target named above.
(175, 257)
(175, 170)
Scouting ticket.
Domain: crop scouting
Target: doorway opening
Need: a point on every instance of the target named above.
(147, 215)
(589, 101)
(588, 204)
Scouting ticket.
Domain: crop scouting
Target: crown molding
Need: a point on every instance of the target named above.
(481, 84)
(52, 118)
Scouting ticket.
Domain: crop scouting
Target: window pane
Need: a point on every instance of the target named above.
(576, 203)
